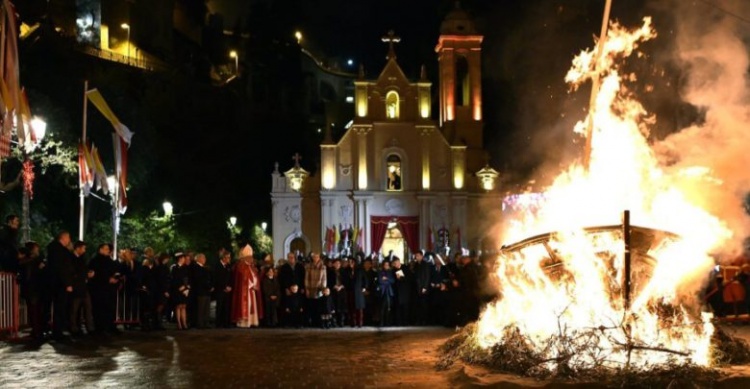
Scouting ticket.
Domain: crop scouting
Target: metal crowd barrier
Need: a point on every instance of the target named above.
(9, 307)
(127, 306)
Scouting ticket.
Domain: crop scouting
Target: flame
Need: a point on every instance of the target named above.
(544, 300)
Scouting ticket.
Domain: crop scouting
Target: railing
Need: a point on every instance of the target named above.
(9, 307)
(142, 63)
(127, 305)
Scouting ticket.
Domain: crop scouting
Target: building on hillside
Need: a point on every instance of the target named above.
(398, 180)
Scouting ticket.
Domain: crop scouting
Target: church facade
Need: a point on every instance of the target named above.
(401, 178)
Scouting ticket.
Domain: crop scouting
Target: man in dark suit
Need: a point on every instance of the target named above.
(60, 259)
(222, 277)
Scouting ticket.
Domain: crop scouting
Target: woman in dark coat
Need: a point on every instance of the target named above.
(180, 290)
(161, 289)
(355, 284)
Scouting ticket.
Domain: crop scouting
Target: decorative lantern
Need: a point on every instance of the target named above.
(487, 177)
(296, 176)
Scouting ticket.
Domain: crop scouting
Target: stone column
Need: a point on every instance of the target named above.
(362, 177)
(425, 220)
(368, 228)
(426, 133)
(475, 78)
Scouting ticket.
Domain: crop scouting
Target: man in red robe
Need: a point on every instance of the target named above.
(247, 309)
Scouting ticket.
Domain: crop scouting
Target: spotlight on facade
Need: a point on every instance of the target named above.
(487, 177)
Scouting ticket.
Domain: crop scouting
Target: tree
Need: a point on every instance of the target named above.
(141, 231)
(261, 242)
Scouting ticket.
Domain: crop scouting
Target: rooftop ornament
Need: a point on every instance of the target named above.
(296, 176)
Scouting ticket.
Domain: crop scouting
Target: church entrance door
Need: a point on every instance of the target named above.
(298, 245)
(394, 242)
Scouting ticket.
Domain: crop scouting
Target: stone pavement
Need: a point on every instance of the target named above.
(309, 358)
(241, 358)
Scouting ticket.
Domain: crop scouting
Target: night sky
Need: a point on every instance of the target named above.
(211, 164)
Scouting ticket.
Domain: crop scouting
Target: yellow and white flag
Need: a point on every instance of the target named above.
(97, 99)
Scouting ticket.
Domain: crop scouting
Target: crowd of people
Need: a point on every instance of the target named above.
(68, 294)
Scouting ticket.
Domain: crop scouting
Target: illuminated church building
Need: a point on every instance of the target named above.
(398, 179)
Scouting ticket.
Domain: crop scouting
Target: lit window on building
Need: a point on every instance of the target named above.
(391, 105)
(393, 165)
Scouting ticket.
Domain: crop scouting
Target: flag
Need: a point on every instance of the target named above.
(101, 174)
(6, 111)
(4, 145)
(26, 135)
(85, 176)
(430, 240)
(355, 237)
(121, 170)
(360, 236)
(329, 238)
(336, 237)
(10, 67)
(97, 99)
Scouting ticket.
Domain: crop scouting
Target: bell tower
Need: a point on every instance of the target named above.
(459, 51)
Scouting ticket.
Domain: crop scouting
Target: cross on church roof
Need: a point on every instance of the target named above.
(296, 157)
(391, 38)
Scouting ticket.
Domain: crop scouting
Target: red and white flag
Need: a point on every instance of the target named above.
(4, 145)
(10, 67)
(85, 171)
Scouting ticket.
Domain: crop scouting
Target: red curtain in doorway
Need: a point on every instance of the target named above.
(409, 226)
(379, 226)
(410, 229)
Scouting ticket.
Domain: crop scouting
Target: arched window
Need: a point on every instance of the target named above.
(393, 179)
(462, 81)
(391, 105)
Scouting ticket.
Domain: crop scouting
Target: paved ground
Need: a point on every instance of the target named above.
(365, 358)
(345, 358)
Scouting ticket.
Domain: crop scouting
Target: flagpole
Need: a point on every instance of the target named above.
(83, 137)
(116, 195)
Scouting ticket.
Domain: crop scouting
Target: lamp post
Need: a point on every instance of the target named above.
(487, 177)
(264, 225)
(39, 126)
(298, 36)
(168, 209)
(126, 26)
(233, 54)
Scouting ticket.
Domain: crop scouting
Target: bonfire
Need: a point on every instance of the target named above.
(605, 277)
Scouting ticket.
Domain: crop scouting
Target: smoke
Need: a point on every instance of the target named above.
(711, 52)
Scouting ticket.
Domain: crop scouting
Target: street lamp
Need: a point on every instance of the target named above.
(264, 225)
(233, 221)
(298, 35)
(233, 54)
(126, 26)
(168, 209)
(39, 126)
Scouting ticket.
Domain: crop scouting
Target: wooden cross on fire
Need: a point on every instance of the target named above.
(391, 38)
(296, 157)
